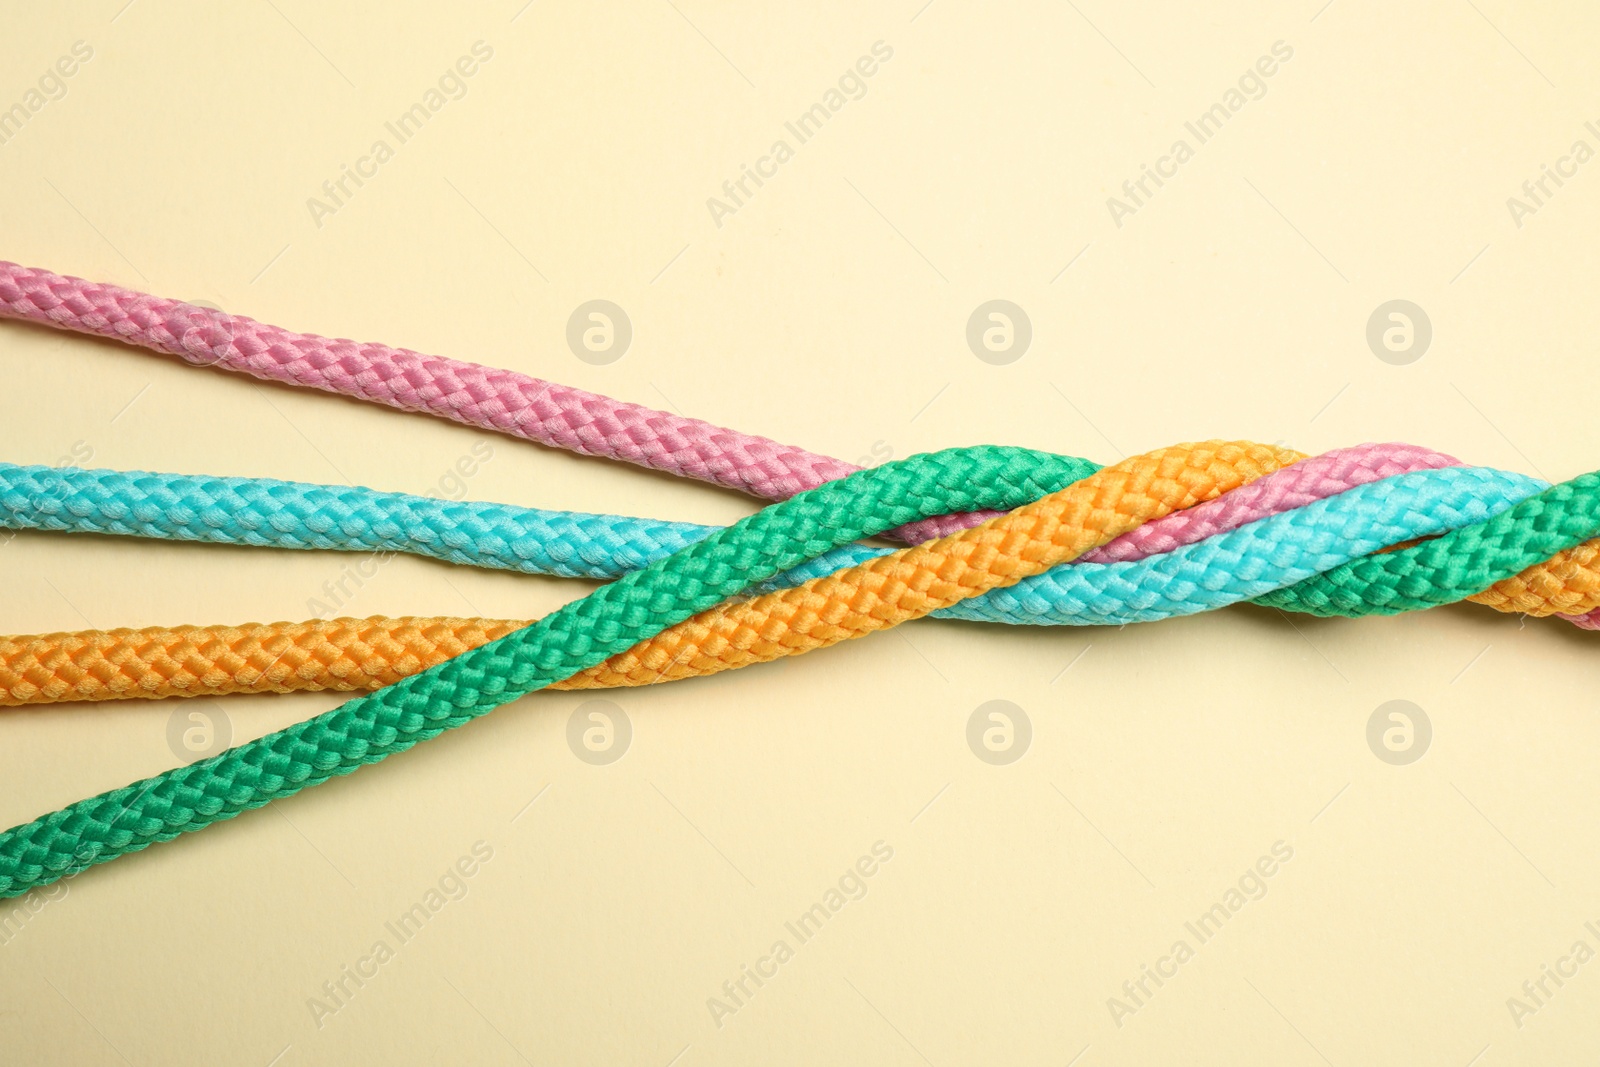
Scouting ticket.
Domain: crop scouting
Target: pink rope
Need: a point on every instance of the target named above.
(499, 400)
(564, 417)
(1294, 486)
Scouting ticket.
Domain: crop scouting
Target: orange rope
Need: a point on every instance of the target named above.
(367, 654)
(880, 593)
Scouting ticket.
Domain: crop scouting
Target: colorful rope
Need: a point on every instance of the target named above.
(298, 515)
(355, 654)
(498, 400)
(1248, 562)
(1182, 529)
(301, 515)
(1043, 530)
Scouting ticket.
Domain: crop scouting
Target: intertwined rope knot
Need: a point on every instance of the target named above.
(997, 534)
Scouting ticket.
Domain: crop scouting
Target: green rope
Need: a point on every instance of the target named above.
(578, 636)
(1456, 565)
(619, 615)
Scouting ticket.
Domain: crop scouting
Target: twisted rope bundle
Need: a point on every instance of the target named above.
(1042, 531)
(1261, 556)
(1174, 531)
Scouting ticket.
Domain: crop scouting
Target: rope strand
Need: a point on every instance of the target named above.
(1176, 530)
(501, 401)
(1246, 563)
(612, 618)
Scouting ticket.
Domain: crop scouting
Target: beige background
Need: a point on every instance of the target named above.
(829, 311)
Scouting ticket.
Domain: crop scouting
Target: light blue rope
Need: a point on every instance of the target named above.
(1239, 565)
(1258, 557)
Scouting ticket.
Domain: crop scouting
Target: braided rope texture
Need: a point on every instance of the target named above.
(915, 581)
(299, 515)
(1203, 566)
(828, 610)
(491, 398)
(487, 397)
(1535, 550)
(1558, 524)
(1043, 531)
(267, 512)
(499, 400)
(616, 616)
(361, 654)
